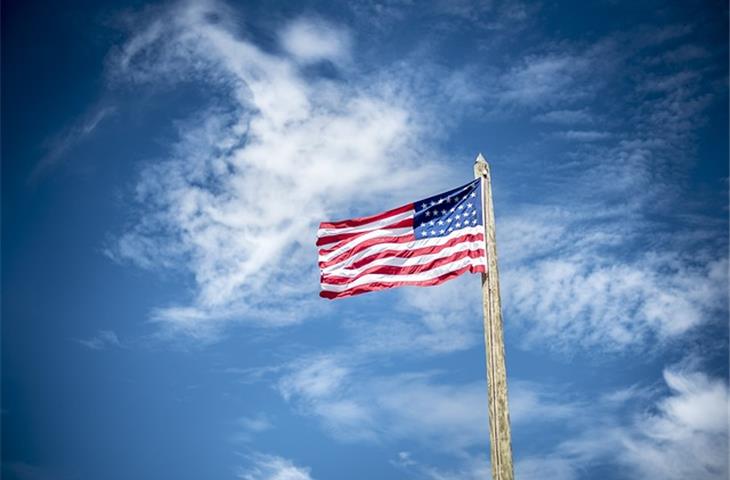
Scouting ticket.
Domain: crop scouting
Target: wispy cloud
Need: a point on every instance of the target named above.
(546, 79)
(472, 467)
(680, 434)
(216, 202)
(566, 117)
(353, 403)
(616, 269)
(214, 205)
(272, 467)
(685, 435)
(424, 322)
(508, 17)
(249, 427)
(58, 146)
(584, 135)
(102, 340)
(579, 302)
(685, 53)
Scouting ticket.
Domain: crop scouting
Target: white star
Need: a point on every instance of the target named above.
(424, 206)
(458, 224)
(433, 232)
(441, 231)
(441, 222)
(448, 220)
(428, 214)
(425, 232)
(458, 216)
(473, 212)
(443, 211)
(473, 194)
(461, 206)
(468, 205)
(452, 209)
(474, 222)
(433, 203)
(431, 223)
(451, 229)
(456, 199)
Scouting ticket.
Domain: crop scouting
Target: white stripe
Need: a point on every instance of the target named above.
(414, 277)
(392, 232)
(421, 243)
(383, 222)
(339, 271)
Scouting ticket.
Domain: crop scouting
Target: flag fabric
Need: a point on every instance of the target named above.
(419, 244)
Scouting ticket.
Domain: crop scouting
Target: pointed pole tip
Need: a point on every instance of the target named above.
(481, 167)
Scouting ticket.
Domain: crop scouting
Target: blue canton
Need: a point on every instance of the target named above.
(447, 212)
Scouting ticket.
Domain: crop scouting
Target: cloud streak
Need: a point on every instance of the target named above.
(58, 146)
(272, 467)
(101, 341)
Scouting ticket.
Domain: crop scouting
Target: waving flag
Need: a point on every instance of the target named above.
(419, 244)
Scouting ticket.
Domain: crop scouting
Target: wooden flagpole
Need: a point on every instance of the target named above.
(500, 436)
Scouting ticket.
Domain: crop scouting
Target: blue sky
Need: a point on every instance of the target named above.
(164, 169)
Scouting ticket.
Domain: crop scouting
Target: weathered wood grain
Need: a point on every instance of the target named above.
(499, 424)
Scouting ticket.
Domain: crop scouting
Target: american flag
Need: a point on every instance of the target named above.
(419, 244)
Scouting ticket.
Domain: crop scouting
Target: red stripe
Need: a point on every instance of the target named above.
(356, 222)
(397, 270)
(406, 222)
(361, 246)
(371, 287)
(414, 252)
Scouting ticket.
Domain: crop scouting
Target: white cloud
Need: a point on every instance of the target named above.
(258, 423)
(354, 404)
(102, 340)
(681, 435)
(238, 199)
(321, 386)
(250, 426)
(544, 79)
(618, 268)
(403, 460)
(569, 282)
(272, 467)
(687, 436)
(313, 40)
(319, 377)
(247, 182)
(590, 301)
